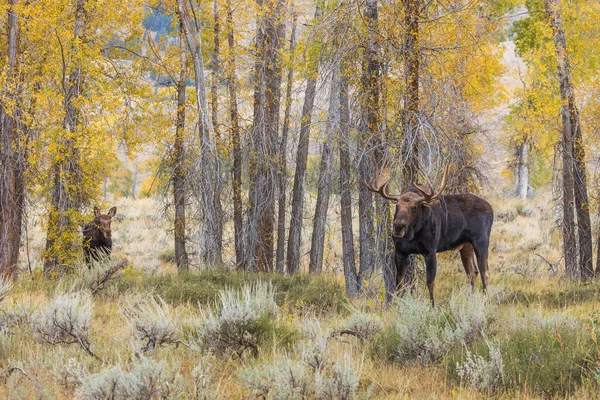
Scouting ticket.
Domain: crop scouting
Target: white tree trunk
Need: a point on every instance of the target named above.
(208, 169)
(522, 171)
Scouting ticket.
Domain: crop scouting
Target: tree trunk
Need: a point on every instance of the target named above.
(412, 60)
(273, 77)
(346, 195)
(236, 181)
(251, 240)
(582, 202)
(178, 178)
(134, 179)
(65, 196)
(522, 171)
(368, 144)
(282, 177)
(214, 100)
(410, 150)
(270, 30)
(209, 169)
(12, 162)
(320, 216)
(296, 220)
(574, 170)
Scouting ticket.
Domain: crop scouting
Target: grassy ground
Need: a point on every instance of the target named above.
(547, 359)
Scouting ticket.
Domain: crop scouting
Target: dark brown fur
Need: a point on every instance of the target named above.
(97, 236)
(452, 222)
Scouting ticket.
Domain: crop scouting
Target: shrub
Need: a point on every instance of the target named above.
(345, 379)
(147, 379)
(364, 324)
(549, 355)
(423, 333)
(101, 274)
(151, 321)
(69, 374)
(469, 313)
(384, 344)
(203, 384)
(17, 313)
(272, 332)
(231, 327)
(314, 349)
(106, 384)
(65, 320)
(481, 374)
(284, 379)
(341, 384)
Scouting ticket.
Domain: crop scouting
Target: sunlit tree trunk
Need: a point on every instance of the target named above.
(295, 234)
(282, 172)
(346, 194)
(236, 181)
(12, 163)
(178, 178)
(324, 186)
(208, 169)
(574, 169)
(65, 195)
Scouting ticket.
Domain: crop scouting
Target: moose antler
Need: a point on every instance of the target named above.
(382, 179)
(429, 195)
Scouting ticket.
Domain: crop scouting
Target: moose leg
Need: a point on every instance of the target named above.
(481, 250)
(401, 261)
(467, 256)
(431, 269)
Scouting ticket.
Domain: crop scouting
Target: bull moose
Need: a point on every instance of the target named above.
(97, 238)
(427, 222)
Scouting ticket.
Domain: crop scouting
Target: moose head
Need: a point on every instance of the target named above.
(412, 206)
(103, 221)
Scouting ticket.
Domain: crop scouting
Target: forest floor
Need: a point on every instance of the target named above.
(544, 326)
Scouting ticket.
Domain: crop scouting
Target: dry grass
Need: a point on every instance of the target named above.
(525, 278)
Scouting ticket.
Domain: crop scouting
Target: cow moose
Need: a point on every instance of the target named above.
(427, 223)
(97, 240)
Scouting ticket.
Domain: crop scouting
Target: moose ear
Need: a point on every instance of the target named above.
(96, 212)
(112, 212)
(427, 211)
